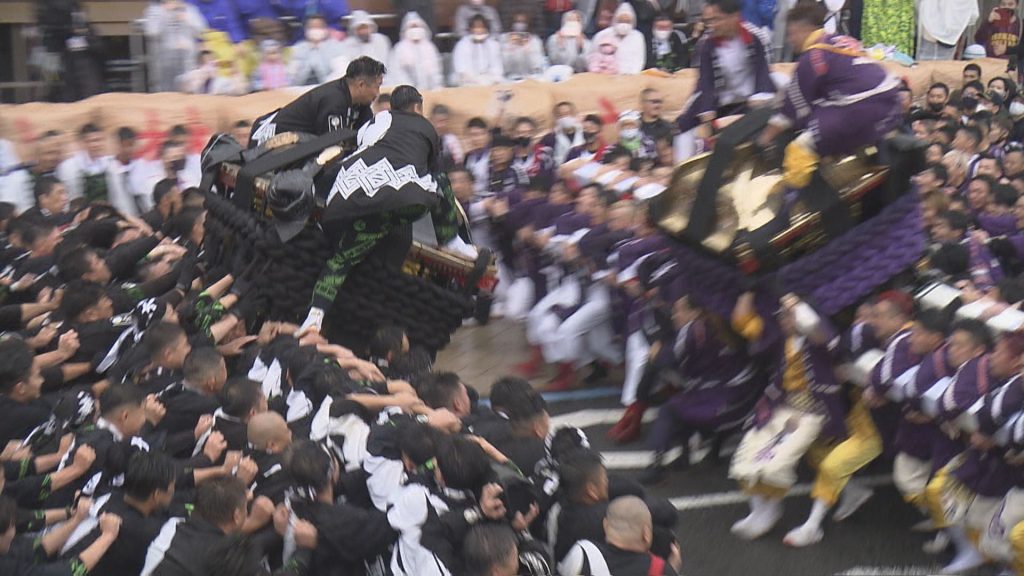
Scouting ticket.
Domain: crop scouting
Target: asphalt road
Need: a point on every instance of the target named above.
(876, 541)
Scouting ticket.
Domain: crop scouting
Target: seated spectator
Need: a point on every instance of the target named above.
(415, 60)
(364, 39)
(173, 28)
(522, 51)
(568, 46)
(85, 172)
(209, 77)
(669, 50)
(631, 48)
(313, 59)
(466, 13)
(625, 549)
(476, 59)
(272, 72)
(604, 59)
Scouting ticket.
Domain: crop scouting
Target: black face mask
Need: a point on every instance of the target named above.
(968, 103)
(523, 142)
(590, 136)
(177, 165)
(936, 106)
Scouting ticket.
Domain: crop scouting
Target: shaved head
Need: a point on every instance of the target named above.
(627, 523)
(269, 432)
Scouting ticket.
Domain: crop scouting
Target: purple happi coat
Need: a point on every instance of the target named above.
(629, 257)
(845, 99)
(986, 473)
(897, 360)
(721, 383)
(918, 440)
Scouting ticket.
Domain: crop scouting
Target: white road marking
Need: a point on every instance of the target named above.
(635, 459)
(702, 501)
(596, 417)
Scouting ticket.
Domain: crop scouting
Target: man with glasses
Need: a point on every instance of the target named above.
(652, 124)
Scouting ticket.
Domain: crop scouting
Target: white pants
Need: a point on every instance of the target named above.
(637, 349)
(995, 536)
(518, 299)
(911, 475)
(585, 336)
(770, 454)
(539, 321)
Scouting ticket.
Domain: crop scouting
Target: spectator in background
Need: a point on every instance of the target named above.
(451, 148)
(207, 77)
(171, 166)
(466, 13)
(415, 60)
(760, 13)
(668, 49)
(476, 60)
(173, 29)
(594, 146)
(1000, 33)
(941, 24)
(121, 174)
(631, 49)
(84, 173)
(382, 103)
(364, 39)
(313, 59)
(334, 11)
(603, 58)
(272, 73)
(568, 46)
(554, 15)
(222, 15)
(652, 124)
(17, 187)
(424, 9)
(522, 51)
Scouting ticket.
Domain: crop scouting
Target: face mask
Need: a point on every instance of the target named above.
(177, 165)
(662, 34)
(480, 37)
(364, 39)
(523, 142)
(623, 28)
(567, 124)
(316, 34)
(936, 106)
(572, 29)
(416, 34)
(1016, 108)
(520, 27)
(996, 97)
(629, 133)
(968, 103)
(590, 136)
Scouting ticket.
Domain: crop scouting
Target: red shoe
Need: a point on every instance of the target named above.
(565, 380)
(531, 367)
(629, 426)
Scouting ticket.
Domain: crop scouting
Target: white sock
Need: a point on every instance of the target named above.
(772, 507)
(757, 504)
(818, 512)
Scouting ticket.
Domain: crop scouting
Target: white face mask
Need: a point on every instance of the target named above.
(623, 28)
(629, 133)
(567, 124)
(480, 37)
(520, 27)
(416, 34)
(662, 34)
(572, 29)
(1016, 108)
(316, 34)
